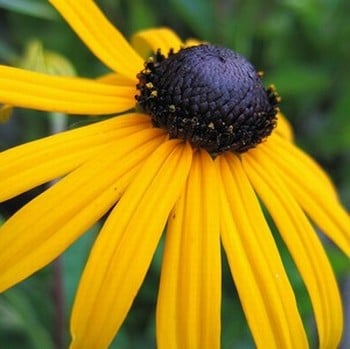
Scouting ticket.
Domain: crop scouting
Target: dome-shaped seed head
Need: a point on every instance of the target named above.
(210, 96)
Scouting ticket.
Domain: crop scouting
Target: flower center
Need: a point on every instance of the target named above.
(210, 96)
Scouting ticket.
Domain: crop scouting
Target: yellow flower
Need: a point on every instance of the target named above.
(203, 193)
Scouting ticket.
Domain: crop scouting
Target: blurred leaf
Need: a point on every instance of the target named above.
(9, 318)
(33, 8)
(339, 261)
(342, 108)
(232, 26)
(38, 59)
(198, 14)
(299, 80)
(308, 9)
(22, 314)
(142, 15)
(333, 133)
(7, 53)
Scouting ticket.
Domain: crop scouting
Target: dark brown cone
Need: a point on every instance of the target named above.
(210, 96)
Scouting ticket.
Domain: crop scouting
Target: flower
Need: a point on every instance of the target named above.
(202, 186)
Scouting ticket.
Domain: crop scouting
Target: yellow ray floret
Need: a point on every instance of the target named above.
(103, 39)
(304, 246)
(150, 40)
(188, 310)
(39, 91)
(34, 163)
(264, 289)
(125, 246)
(45, 227)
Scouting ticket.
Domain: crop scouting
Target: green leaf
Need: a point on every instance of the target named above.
(141, 15)
(298, 80)
(7, 53)
(199, 15)
(21, 313)
(37, 58)
(32, 8)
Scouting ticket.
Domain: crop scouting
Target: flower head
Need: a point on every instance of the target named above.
(195, 151)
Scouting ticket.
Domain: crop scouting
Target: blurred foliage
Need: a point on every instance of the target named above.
(36, 58)
(35, 8)
(304, 48)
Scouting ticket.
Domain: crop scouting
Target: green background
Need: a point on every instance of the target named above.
(304, 48)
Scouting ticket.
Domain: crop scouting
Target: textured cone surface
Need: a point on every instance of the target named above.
(210, 96)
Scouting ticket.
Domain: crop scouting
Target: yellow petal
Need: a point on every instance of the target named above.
(116, 79)
(47, 225)
(149, 41)
(5, 113)
(332, 219)
(303, 245)
(188, 311)
(302, 168)
(102, 38)
(311, 188)
(123, 251)
(284, 128)
(193, 42)
(37, 162)
(265, 292)
(39, 91)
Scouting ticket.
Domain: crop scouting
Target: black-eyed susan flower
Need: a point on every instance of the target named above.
(193, 152)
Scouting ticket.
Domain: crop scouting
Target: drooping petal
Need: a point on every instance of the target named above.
(149, 41)
(47, 225)
(102, 38)
(37, 162)
(188, 310)
(33, 90)
(312, 189)
(123, 251)
(300, 165)
(265, 292)
(303, 245)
